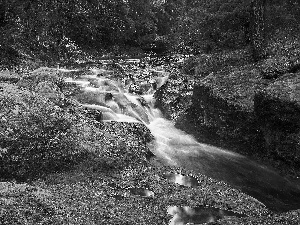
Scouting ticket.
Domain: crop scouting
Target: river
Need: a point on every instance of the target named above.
(128, 96)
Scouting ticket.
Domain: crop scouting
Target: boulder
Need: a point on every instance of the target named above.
(41, 74)
(135, 89)
(218, 109)
(90, 97)
(9, 77)
(173, 94)
(49, 90)
(47, 82)
(244, 112)
(134, 140)
(37, 137)
(35, 134)
(218, 121)
(26, 204)
(277, 108)
(273, 68)
(204, 64)
(93, 114)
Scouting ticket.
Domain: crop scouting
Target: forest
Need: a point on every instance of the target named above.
(149, 112)
(53, 31)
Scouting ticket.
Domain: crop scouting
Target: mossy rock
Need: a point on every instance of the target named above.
(275, 67)
(25, 204)
(35, 134)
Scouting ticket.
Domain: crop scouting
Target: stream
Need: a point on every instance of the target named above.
(129, 98)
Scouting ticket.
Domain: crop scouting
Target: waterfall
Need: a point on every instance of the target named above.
(175, 147)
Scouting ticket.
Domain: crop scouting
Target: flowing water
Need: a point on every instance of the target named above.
(102, 91)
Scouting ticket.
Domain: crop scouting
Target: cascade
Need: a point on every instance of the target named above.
(177, 148)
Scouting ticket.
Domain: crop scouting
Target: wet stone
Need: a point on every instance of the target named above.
(187, 181)
(199, 215)
(141, 192)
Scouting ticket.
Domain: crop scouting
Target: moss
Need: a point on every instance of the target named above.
(36, 134)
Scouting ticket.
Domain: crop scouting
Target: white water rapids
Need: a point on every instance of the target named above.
(177, 148)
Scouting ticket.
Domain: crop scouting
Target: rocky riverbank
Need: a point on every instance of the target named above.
(60, 164)
(250, 108)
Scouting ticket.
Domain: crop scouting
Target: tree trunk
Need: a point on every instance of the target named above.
(257, 29)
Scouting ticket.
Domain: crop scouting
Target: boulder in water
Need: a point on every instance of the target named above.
(91, 97)
(135, 89)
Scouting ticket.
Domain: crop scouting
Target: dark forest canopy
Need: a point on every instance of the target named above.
(57, 28)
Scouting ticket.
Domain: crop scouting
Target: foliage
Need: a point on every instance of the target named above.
(284, 53)
(205, 26)
(64, 30)
(59, 30)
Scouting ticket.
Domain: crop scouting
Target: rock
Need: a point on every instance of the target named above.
(173, 94)
(244, 112)
(220, 110)
(89, 97)
(103, 72)
(133, 138)
(50, 91)
(277, 108)
(190, 65)
(204, 64)
(35, 133)
(223, 117)
(146, 87)
(26, 204)
(140, 131)
(94, 114)
(275, 67)
(8, 76)
(136, 89)
(48, 82)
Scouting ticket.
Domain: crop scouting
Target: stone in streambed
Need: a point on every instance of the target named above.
(91, 97)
